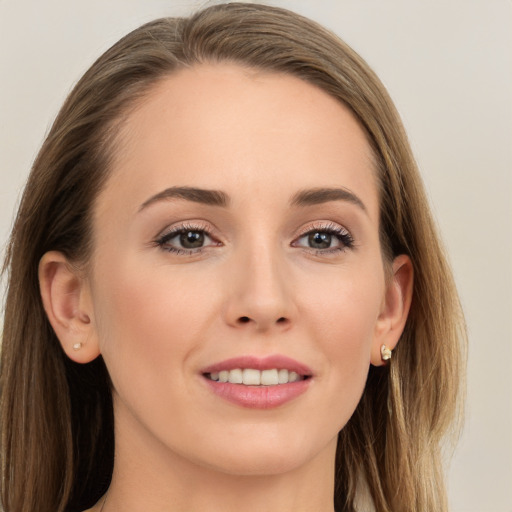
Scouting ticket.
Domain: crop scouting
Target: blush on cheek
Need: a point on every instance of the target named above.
(145, 314)
(345, 325)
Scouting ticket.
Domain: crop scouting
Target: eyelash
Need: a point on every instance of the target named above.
(344, 237)
(164, 239)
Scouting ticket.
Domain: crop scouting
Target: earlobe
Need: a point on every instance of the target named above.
(67, 302)
(395, 309)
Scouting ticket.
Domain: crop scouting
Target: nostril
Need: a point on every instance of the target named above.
(246, 320)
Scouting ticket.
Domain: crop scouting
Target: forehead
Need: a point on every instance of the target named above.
(223, 126)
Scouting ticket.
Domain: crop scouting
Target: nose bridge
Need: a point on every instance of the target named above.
(261, 291)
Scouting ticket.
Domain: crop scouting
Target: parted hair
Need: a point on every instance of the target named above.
(57, 437)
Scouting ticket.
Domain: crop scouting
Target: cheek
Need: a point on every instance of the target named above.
(343, 317)
(344, 311)
(146, 318)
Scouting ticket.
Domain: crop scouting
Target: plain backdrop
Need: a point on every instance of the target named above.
(447, 65)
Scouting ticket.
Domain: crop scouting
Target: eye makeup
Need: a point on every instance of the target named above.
(187, 239)
(325, 238)
(192, 238)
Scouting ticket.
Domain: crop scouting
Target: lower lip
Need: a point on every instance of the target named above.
(258, 397)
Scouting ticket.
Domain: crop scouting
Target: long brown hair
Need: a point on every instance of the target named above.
(57, 439)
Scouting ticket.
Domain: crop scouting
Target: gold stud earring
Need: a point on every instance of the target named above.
(77, 346)
(385, 353)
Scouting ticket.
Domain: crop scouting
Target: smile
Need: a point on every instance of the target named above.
(253, 377)
(258, 383)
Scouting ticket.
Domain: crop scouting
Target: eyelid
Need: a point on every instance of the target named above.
(327, 225)
(191, 225)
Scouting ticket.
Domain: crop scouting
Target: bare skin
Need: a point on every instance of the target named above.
(178, 283)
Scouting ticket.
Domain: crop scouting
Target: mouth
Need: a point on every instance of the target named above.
(255, 377)
(259, 383)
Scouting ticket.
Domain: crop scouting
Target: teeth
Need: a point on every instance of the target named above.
(293, 377)
(252, 377)
(269, 377)
(235, 376)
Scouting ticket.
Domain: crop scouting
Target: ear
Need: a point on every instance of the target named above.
(68, 305)
(395, 308)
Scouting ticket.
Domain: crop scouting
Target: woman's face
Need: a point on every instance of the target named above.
(238, 231)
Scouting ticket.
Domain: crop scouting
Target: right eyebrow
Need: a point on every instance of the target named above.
(321, 195)
(196, 195)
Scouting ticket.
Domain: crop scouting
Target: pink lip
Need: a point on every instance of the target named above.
(259, 397)
(260, 363)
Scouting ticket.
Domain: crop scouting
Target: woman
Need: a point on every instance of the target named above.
(225, 285)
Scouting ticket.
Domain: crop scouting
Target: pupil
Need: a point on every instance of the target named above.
(192, 239)
(320, 240)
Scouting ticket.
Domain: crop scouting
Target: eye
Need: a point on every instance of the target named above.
(320, 240)
(192, 239)
(326, 239)
(185, 240)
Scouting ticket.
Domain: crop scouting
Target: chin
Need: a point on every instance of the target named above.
(262, 457)
(260, 465)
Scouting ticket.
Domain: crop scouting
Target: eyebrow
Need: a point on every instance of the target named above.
(311, 197)
(308, 197)
(196, 195)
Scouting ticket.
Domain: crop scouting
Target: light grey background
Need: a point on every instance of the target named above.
(448, 66)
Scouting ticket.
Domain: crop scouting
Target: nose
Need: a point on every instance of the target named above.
(261, 295)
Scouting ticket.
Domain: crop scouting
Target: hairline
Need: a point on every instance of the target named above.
(117, 137)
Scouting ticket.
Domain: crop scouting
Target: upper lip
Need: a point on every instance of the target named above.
(277, 361)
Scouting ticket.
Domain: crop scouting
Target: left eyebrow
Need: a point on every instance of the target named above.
(315, 196)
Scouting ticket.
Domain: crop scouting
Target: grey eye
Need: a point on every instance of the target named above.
(319, 240)
(192, 239)
(329, 239)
